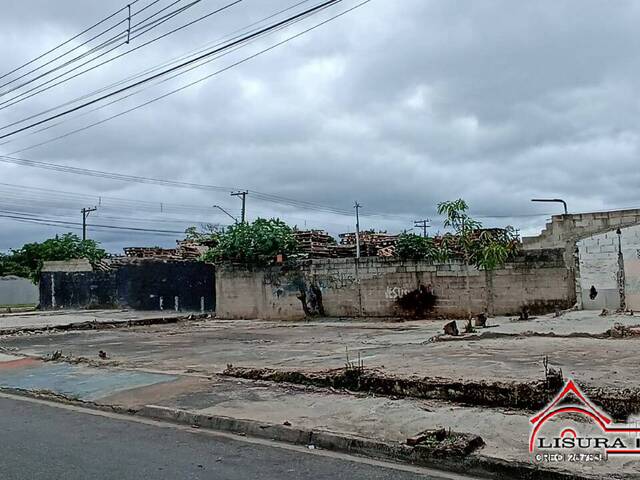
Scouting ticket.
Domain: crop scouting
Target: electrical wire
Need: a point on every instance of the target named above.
(47, 84)
(104, 20)
(157, 67)
(170, 70)
(27, 217)
(146, 87)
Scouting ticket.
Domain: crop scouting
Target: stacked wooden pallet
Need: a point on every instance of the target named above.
(151, 252)
(372, 244)
(190, 250)
(314, 243)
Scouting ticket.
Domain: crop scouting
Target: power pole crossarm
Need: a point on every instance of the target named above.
(244, 203)
(423, 224)
(85, 213)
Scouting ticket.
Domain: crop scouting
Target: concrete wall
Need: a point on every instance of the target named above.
(598, 267)
(566, 230)
(371, 287)
(17, 291)
(140, 285)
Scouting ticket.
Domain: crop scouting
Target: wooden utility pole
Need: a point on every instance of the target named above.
(424, 224)
(357, 206)
(85, 214)
(244, 203)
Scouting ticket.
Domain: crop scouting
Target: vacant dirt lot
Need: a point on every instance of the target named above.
(507, 350)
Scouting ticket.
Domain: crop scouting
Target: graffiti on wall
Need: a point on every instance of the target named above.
(337, 281)
(393, 293)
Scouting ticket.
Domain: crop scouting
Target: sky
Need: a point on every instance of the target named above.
(397, 105)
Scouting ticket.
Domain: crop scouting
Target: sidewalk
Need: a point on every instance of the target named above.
(35, 321)
(356, 423)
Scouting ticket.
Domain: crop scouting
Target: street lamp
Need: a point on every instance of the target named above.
(552, 200)
(226, 213)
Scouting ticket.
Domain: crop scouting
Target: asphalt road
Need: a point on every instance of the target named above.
(40, 441)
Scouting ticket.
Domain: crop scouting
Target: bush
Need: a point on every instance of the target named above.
(28, 260)
(255, 243)
(414, 247)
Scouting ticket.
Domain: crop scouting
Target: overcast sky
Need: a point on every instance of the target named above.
(398, 105)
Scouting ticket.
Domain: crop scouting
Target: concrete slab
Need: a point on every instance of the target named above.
(207, 347)
(75, 381)
(59, 318)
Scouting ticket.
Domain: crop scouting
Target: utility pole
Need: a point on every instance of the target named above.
(85, 214)
(244, 203)
(423, 224)
(357, 206)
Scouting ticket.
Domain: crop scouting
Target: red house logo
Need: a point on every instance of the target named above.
(612, 438)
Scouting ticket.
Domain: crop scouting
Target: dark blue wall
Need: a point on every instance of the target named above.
(138, 286)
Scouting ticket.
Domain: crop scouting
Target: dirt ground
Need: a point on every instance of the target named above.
(507, 350)
(177, 366)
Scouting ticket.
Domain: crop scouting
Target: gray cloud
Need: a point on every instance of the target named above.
(398, 105)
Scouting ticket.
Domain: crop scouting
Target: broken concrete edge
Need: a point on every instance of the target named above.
(420, 455)
(50, 396)
(471, 464)
(528, 396)
(617, 332)
(95, 325)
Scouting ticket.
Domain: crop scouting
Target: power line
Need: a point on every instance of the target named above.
(273, 198)
(119, 36)
(32, 218)
(30, 62)
(72, 132)
(34, 91)
(170, 70)
(84, 54)
(202, 48)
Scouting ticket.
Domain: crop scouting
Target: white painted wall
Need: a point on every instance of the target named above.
(598, 257)
(18, 291)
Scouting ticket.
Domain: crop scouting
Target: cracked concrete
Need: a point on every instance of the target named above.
(195, 352)
(207, 347)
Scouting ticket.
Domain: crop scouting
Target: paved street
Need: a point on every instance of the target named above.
(46, 442)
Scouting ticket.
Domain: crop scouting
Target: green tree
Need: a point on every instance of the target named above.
(28, 260)
(414, 247)
(207, 234)
(485, 249)
(255, 243)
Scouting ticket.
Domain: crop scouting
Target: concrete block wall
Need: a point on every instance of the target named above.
(371, 287)
(598, 267)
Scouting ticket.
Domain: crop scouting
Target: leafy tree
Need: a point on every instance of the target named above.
(207, 234)
(28, 260)
(414, 247)
(9, 266)
(255, 243)
(484, 249)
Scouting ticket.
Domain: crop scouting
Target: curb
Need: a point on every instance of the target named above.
(473, 464)
(94, 325)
